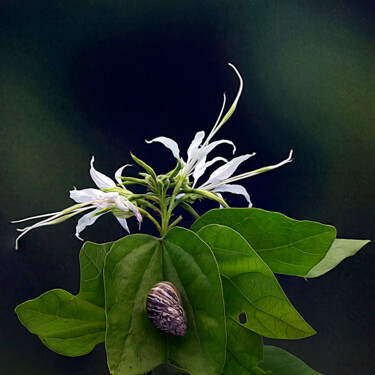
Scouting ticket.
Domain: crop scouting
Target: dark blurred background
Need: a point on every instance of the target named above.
(82, 78)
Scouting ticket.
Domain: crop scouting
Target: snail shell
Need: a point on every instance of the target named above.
(164, 309)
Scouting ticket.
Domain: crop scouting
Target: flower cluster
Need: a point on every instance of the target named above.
(164, 193)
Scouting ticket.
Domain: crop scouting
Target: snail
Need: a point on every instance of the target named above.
(164, 309)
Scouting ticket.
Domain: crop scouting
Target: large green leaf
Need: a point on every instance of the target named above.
(133, 266)
(234, 367)
(244, 350)
(280, 362)
(288, 246)
(71, 325)
(340, 249)
(167, 369)
(250, 287)
(191, 266)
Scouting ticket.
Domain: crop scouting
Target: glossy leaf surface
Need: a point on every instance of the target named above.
(167, 369)
(234, 367)
(67, 324)
(251, 288)
(280, 362)
(133, 344)
(288, 246)
(135, 264)
(244, 350)
(340, 249)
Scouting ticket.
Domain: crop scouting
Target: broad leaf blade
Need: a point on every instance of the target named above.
(244, 350)
(190, 265)
(91, 260)
(280, 362)
(65, 323)
(71, 325)
(340, 249)
(234, 367)
(288, 246)
(250, 287)
(167, 369)
(132, 267)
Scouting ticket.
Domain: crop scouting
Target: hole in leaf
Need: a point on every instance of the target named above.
(242, 318)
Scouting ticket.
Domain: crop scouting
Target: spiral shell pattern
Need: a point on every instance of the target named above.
(164, 309)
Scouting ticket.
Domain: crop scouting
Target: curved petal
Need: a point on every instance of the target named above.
(226, 170)
(87, 220)
(100, 179)
(86, 195)
(118, 173)
(121, 203)
(134, 208)
(261, 170)
(123, 223)
(234, 189)
(169, 143)
(125, 205)
(212, 132)
(202, 166)
(234, 104)
(206, 150)
(194, 145)
(221, 197)
(232, 107)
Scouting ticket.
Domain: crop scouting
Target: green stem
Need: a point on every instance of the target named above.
(175, 222)
(145, 213)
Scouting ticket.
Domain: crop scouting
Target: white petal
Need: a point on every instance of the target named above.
(231, 109)
(34, 217)
(118, 173)
(121, 203)
(86, 195)
(221, 197)
(212, 145)
(202, 166)
(100, 179)
(194, 146)
(87, 220)
(124, 205)
(226, 170)
(169, 143)
(234, 189)
(217, 121)
(123, 223)
(261, 170)
(135, 210)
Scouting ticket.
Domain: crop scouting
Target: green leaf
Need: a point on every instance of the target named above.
(339, 250)
(234, 367)
(250, 287)
(134, 265)
(71, 325)
(280, 362)
(244, 350)
(288, 246)
(167, 369)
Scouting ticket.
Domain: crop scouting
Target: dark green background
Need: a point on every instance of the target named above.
(81, 78)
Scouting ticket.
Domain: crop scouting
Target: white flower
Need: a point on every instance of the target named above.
(221, 179)
(102, 202)
(196, 164)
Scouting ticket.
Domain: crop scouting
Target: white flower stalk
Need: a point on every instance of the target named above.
(196, 164)
(100, 201)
